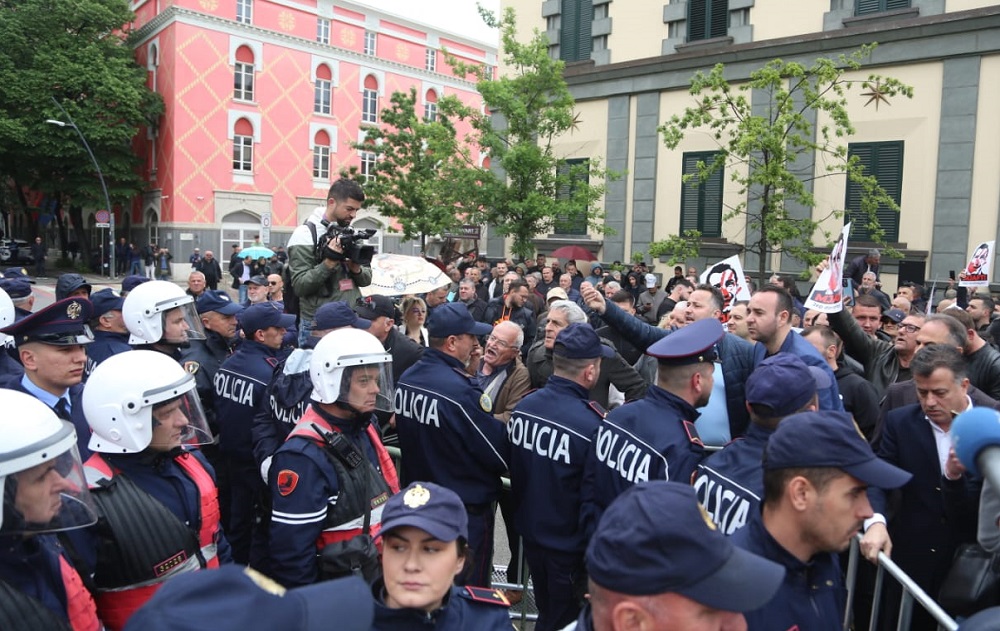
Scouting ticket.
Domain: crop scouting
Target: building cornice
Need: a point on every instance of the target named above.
(908, 40)
(180, 15)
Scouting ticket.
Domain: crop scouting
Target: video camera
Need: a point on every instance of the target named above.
(351, 241)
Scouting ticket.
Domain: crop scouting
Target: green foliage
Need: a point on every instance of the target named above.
(759, 149)
(536, 190)
(417, 163)
(677, 248)
(76, 51)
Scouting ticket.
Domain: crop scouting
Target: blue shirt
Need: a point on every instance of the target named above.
(713, 424)
(812, 596)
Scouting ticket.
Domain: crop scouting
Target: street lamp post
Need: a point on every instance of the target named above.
(100, 176)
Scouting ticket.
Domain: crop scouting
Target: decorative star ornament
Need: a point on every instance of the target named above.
(876, 93)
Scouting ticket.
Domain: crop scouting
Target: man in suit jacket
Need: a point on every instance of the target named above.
(939, 506)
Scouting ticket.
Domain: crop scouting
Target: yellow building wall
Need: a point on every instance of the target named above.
(785, 18)
(986, 159)
(952, 6)
(637, 30)
(588, 140)
(916, 122)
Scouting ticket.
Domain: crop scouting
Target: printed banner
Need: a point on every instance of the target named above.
(728, 277)
(977, 272)
(827, 295)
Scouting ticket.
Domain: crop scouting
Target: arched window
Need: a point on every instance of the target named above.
(243, 71)
(369, 101)
(430, 106)
(243, 146)
(321, 156)
(323, 99)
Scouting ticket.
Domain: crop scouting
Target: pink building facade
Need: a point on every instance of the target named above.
(262, 100)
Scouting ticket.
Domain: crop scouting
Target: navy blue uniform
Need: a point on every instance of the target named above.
(462, 610)
(730, 483)
(650, 439)
(448, 437)
(284, 402)
(239, 388)
(304, 486)
(159, 475)
(10, 368)
(550, 433)
(77, 418)
(812, 596)
(105, 344)
(203, 358)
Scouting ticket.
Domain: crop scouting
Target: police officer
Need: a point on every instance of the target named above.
(50, 345)
(155, 493)
(108, 326)
(287, 394)
(332, 476)
(817, 466)
(730, 482)
(203, 358)
(9, 366)
(19, 290)
(239, 389)
(131, 282)
(161, 317)
(425, 543)
(655, 438)
(658, 562)
(550, 434)
(72, 285)
(447, 432)
(44, 492)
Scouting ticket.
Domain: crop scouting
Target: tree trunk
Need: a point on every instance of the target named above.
(61, 227)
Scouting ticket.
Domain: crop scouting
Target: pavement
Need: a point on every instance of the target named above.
(44, 288)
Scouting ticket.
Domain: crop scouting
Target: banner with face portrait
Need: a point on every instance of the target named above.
(827, 295)
(977, 272)
(728, 277)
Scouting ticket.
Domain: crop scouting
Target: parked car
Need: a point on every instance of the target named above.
(16, 251)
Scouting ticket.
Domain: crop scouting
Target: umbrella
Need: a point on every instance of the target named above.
(255, 252)
(576, 252)
(398, 274)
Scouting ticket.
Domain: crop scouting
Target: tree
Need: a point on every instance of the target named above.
(760, 151)
(415, 161)
(78, 52)
(535, 190)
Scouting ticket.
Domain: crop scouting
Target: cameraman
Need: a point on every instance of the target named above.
(321, 277)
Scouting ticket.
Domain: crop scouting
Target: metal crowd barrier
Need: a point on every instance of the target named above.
(912, 593)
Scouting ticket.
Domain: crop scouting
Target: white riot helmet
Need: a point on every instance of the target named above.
(7, 315)
(139, 399)
(160, 311)
(349, 367)
(44, 488)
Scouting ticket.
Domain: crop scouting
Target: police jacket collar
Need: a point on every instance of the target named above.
(687, 411)
(561, 384)
(406, 618)
(767, 546)
(348, 426)
(436, 355)
(257, 347)
(758, 433)
(110, 335)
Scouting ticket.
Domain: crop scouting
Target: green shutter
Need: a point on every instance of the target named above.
(719, 18)
(584, 30)
(884, 160)
(697, 19)
(575, 39)
(864, 7)
(575, 222)
(701, 202)
(707, 19)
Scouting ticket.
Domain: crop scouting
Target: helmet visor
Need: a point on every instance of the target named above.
(181, 324)
(367, 387)
(48, 497)
(179, 421)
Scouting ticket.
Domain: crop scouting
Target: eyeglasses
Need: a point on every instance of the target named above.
(272, 282)
(909, 328)
(496, 340)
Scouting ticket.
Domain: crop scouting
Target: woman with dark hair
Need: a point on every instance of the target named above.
(424, 548)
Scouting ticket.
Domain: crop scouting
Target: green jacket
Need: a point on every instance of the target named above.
(314, 283)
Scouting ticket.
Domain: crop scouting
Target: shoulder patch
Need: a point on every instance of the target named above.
(485, 402)
(191, 367)
(287, 481)
(462, 373)
(692, 433)
(596, 407)
(272, 362)
(486, 595)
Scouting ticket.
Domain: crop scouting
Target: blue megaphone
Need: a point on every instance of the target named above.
(975, 435)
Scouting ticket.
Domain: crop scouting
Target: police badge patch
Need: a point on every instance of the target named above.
(287, 481)
(486, 402)
(73, 310)
(191, 367)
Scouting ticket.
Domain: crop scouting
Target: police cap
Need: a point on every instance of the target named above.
(132, 281)
(106, 300)
(692, 344)
(63, 323)
(235, 598)
(259, 279)
(217, 300)
(453, 318)
(264, 315)
(580, 341)
(16, 287)
(434, 509)
(337, 314)
(656, 538)
(17, 272)
(784, 384)
(829, 439)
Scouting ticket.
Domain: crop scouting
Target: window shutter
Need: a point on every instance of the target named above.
(701, 202)
(884, 160)
(697, 19)
(719, 18)
(585, 22)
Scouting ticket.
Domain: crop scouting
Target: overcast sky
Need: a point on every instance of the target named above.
(455, 16)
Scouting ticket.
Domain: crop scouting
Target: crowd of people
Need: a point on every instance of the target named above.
(685, 460)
